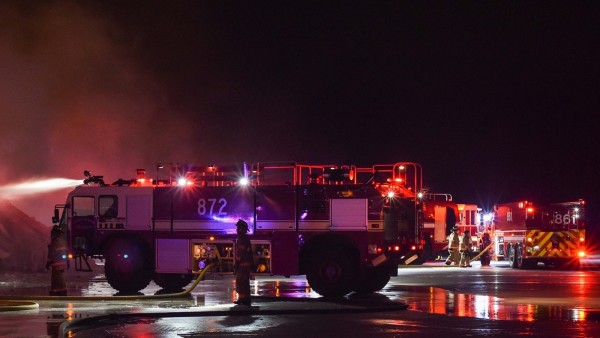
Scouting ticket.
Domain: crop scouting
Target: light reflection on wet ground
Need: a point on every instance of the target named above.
(444, 302)
(498, 294)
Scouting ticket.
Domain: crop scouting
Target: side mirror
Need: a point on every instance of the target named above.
(55, 218)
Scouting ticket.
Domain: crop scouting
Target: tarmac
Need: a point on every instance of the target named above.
(263, 306)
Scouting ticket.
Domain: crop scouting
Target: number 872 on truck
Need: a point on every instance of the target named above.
(338, 225)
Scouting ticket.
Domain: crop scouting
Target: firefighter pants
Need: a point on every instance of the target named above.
(465, 258)
(242, 284)
(58, 286)
(453, 257)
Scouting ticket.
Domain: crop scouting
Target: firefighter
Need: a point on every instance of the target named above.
(465, 250)
(484, 243)
(453, 245)
(57, 260)
(243, 264)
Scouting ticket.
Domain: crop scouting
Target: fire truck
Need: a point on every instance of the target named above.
(440, 215)
(345, 227)
(525, 234)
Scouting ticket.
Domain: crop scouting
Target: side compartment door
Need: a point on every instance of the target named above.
(139, 212)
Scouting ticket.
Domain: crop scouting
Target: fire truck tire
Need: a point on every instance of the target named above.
(515, 257)
(332, 273)
(373, 279)
(172, 281)
(128, 267)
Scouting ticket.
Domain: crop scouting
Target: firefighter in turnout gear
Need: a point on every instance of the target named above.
(484, 242)
(57, 260)
(243, 264)
(453, 245)
(465, 250)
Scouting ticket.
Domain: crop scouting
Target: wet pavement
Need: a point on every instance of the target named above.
(497, 299)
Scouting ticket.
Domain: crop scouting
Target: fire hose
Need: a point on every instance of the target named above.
(482, 251)
(11, 303)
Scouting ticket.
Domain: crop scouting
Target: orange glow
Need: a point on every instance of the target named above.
(529, 239)
(70, 256)
(581, 254)
(413, 248)
(211, 238)
(581, 239)
(397, 248)
(530, 210)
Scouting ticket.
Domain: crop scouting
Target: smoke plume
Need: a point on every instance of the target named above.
(73, 98)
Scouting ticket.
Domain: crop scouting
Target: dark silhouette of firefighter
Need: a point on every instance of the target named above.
(484, 242)
(453, 245)
(465, 250)
(57, 260)
(243, 264)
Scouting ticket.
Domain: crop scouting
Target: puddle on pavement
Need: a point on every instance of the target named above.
(440, 301)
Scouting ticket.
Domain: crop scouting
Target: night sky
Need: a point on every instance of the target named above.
(496, 100)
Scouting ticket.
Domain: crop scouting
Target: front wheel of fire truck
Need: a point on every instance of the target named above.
(128, 266)
(373, 279)
(515, 258)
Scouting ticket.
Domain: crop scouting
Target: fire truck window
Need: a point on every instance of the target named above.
(108, 206)
(83, 206)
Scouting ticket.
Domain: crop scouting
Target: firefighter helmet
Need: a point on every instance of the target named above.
(242, 224)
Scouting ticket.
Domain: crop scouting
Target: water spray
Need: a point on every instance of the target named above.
(31, 187)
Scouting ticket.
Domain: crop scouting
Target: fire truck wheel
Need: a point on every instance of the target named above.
(128, 267)
(332, 273)
(373, 279)
(514, 257)
(172, 281)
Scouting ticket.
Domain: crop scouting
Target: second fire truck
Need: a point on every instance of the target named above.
(525, 234)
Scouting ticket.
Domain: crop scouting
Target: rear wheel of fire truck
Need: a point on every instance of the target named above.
(373, 279)
(172, 281)
(128, 266)
(332, 273)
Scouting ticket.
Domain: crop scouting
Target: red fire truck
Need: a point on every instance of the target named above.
(345, 227)
(525, 234)
(440, 215)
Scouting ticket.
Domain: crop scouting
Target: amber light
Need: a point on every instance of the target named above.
(581, 254)
(529, 239)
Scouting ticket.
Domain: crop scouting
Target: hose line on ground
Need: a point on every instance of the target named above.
(10, 299)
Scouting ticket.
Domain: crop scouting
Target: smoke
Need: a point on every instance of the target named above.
(72, 97)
